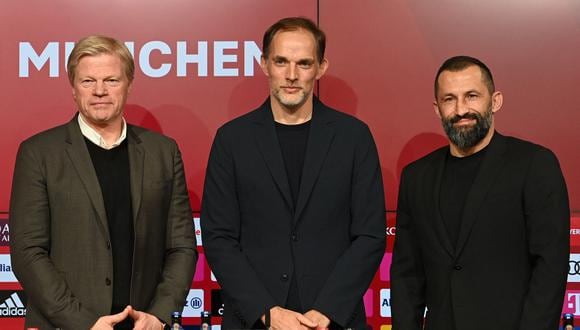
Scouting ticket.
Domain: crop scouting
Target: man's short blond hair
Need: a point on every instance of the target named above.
(96, 45)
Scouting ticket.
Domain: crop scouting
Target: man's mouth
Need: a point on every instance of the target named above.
(291, 89)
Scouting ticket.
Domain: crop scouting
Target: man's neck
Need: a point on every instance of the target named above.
(110, 132)
(457, 152)
(290, 116)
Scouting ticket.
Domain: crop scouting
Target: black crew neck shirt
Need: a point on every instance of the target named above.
(458, 177)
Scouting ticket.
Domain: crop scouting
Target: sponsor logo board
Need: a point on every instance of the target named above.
(385, 268)
(217, 305)
(199, 268)
(194, 303)
(574, 268)
(575, 234)
(572, 302)
(12, 304)
(197, 227)
(368, 301)
(385, 302)
(4, 233)
(6, 274)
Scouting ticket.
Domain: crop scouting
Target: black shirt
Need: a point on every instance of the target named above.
(457, 179)
(112, 168)
(293, 139)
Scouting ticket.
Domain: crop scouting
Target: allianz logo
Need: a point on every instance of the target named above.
(12, 306)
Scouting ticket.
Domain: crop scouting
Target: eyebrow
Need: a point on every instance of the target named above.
(306, 61)
(300, 61)
(466, 92)
(114, 76)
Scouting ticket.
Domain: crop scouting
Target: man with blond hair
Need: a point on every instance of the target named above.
(101, 225)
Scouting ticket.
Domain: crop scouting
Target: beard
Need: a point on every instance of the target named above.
(289, 101)
(467, 137)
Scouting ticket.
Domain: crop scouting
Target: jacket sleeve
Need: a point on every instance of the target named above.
(355, 269)
(547, 215)
(30, 227)
(407, 273)
(180, 250)
(220, 221)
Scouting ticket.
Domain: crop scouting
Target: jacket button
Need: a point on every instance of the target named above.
(457, 267)
(108, 245)
(284, 277)
(108, 281)
(295, 237)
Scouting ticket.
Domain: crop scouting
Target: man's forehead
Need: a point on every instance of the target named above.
(100, 65)
(293, 38)
(101, 59)
(472, 70)
(470, 76)
(100, 56)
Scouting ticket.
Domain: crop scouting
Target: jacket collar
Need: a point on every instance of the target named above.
(79, 156)
(492, 163)
(317, 146)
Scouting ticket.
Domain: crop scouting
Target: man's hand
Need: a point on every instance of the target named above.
(144, 321)
(281, 318)
(107, 322)
(321, 319)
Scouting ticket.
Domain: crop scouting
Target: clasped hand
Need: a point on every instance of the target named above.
(282, 318)
(142, 320)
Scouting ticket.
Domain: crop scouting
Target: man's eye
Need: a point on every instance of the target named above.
(305, 65)
(87, 83)
(112, 82)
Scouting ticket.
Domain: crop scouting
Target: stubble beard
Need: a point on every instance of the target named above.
(290, 103)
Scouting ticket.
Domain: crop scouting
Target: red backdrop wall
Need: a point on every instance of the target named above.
(383, 56)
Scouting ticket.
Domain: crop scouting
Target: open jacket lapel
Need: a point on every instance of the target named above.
(81, 159)
(136, 164)
(319, 140)
(490, 167)
(437, 174)
(267, 140)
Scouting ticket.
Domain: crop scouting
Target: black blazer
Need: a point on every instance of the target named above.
(254, 240)
(508, 270)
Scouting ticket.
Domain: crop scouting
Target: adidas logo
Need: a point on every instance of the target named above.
(12, 306)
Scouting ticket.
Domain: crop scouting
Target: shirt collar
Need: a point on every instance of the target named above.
(96, 138)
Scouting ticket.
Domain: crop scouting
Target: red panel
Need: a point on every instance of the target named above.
(384, 55)
(189, 108)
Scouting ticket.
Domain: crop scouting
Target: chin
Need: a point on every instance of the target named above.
(294, 102)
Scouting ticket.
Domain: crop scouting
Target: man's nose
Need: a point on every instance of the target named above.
(291, 73)
(100, 88)
(462, 108)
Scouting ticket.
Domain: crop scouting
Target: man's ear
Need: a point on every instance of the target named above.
(436, 108)
(264, 65)
(322, 67)
(496, 101)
